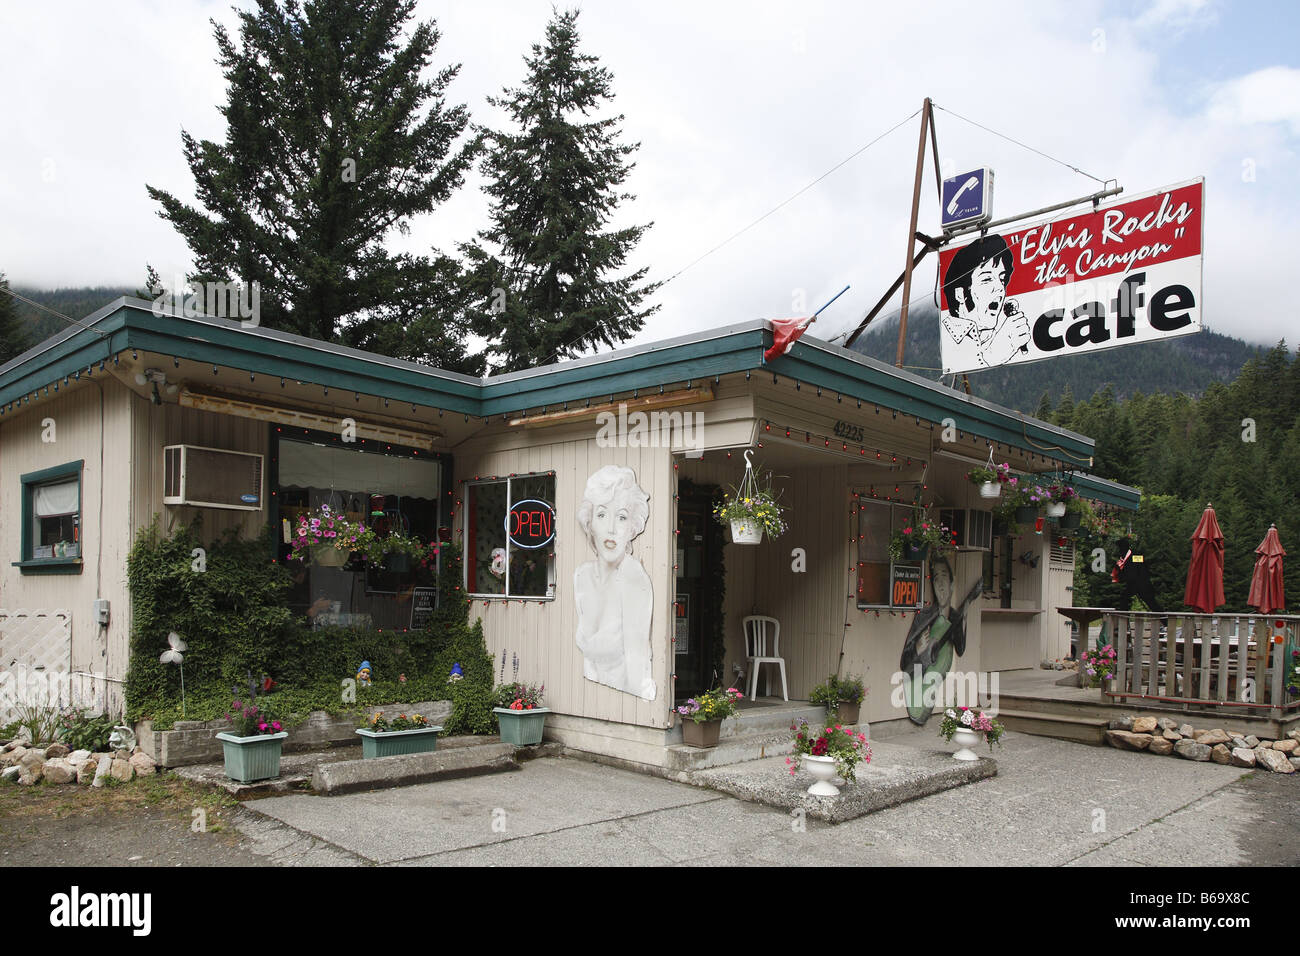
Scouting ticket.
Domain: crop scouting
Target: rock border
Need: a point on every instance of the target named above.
(1164, 736)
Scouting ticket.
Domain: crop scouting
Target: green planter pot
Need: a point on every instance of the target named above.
(252, 758)
(523, 728)
(390, 743)
(1026, 515)
(1070, 520)
(915, 552)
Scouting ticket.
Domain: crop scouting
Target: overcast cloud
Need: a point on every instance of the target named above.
(736, 107)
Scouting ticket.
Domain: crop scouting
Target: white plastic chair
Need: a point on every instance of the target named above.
(757, 630)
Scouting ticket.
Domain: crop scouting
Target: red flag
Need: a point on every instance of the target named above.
(785, 332)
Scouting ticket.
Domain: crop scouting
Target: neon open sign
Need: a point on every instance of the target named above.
(530, 524)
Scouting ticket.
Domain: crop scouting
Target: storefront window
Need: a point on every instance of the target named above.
(882, 582)
(510, 537)
(396, 489)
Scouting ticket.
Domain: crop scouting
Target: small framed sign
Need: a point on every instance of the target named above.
(682, 624)
(905, 587)
(423, 601)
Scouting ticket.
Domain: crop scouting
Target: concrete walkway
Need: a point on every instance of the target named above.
(1052, 803)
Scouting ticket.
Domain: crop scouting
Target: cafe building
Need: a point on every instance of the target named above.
(582, 494)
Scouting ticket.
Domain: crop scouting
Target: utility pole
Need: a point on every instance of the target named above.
(927, 126)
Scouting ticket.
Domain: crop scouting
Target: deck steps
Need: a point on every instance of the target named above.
(1083, 730)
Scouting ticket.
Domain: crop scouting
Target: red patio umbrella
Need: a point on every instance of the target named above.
(1205, 576)
(1266, 592)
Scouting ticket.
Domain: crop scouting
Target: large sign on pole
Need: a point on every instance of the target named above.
(1120, 274)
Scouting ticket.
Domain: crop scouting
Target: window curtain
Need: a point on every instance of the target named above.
(52, 500)
(320, 466)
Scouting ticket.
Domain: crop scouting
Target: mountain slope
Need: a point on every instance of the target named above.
(1189, 364)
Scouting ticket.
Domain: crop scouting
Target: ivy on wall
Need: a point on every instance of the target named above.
(228, 601)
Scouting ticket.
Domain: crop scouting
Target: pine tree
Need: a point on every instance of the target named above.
(13, 333)
(1044, 412)
(334, 139)
(1065, 408)
(545, 270)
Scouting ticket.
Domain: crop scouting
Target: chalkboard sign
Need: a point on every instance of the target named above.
(423, 601)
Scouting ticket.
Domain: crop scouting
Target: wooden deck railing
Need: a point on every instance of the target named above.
(1228, 660)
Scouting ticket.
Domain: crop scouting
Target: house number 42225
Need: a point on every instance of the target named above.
(848, 431)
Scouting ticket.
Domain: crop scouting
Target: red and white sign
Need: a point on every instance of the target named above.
(1120, 274)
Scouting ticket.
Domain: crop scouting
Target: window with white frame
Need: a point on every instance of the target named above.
(883, 583)
(510, 537)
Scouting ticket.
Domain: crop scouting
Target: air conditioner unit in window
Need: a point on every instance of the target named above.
(212, 478)
(973, 527)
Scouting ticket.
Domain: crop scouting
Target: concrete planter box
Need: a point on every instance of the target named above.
(391, 743)
(523, 728)
(195, 741)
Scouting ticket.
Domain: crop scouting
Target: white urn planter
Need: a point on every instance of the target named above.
(823, 772)
(746, 532)
(991, 489)
(965, 739)
(1055, 509)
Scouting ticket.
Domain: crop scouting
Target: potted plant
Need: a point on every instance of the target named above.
(751, 509)
(826, 752)
(966, 726)
(1059, 497)
(703, 715)
(914, 541)
(1077, 512)
(990, 478)
(842, 698)
(327, 537)
(404, 734)
(520, 714)
(1097, 666)
(253, 744)
(1020, 504)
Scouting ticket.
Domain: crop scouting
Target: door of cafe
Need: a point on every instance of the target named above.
(697, 629)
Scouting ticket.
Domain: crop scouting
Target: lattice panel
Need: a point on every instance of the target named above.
(35, 657)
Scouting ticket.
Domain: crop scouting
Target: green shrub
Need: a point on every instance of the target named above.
(84, 731)
(235, 620)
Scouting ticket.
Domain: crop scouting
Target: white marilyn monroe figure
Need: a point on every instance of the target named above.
(613, 592)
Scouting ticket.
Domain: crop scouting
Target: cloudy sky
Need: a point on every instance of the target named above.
(737, 106)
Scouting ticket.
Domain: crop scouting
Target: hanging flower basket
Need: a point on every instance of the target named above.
(990, 478)
(915, 552)
(1055, 509)
(751, 510)
(918, 538)
(1071, 520)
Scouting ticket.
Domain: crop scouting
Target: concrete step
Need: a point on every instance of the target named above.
(764, 719)
(1083, 730)
(380, 773)
(739, 748)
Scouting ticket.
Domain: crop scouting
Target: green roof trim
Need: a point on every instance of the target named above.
(130, 323)
(1107, 492)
